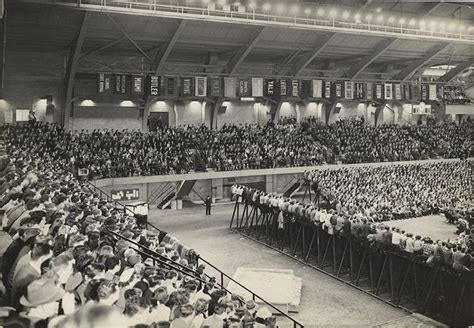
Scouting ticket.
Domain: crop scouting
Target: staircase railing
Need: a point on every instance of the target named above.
(161, 193)
(146, 252)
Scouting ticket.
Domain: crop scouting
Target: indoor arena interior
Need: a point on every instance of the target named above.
(236, 163)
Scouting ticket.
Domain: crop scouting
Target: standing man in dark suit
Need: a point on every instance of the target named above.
(208, 203)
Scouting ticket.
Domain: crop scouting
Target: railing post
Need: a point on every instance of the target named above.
(222, 279)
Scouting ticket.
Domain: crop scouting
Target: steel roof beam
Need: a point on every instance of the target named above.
(125, 34)
(453, 72)
(243, 52)
(363, 63)
(73, 62)
(412, 68)
(165, 51)
(311, 55)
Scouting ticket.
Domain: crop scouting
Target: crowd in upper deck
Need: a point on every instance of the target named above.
(111, 153)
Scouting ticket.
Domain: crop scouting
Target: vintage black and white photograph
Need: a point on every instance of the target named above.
(236, 164)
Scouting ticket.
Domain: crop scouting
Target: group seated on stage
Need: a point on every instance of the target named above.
(348, 220)
(111, 153)
(65, 264)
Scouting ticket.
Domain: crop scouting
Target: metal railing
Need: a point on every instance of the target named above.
(191, 11)
(146, 252)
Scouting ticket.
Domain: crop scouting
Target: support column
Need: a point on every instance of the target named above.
(175, 110)
(217, 186)
(269, 183)
(298, 114)
(203, 112)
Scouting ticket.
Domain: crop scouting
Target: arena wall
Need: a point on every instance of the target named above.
(29, 77)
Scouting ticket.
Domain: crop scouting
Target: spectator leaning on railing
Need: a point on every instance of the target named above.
(346, 222)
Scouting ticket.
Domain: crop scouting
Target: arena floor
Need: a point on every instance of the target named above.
(325, 301)
(433, 226)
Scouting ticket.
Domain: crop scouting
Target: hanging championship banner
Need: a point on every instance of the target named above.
(270, 87)
(424, 92)
(118, 83)
(187, 86)
(283, 88)
(171, 86)
(295, 88)
(338, 92)
(379, 91)
(152, 85)
(349, 90)
(398, 92)
(432, 94)
(201, 86)
(415, 92)
(137, 85)
(317, 88)
(257, 87)
(327, 89)
(108, 83)
(306, 88)
(359, 91)
(245, 88)
(123, 86)
(440, 92)
(369, 90)
(406, 92)
(101, 83)
(216, 86)
(388, 91)
(230, 87)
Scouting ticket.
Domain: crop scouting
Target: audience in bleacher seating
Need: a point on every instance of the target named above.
(455, 95)
(64, 264)
(360, 220)
(395, 191)
(109, 153)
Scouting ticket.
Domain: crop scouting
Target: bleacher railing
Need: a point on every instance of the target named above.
(393, 276)
(157, 258)
(182, 9)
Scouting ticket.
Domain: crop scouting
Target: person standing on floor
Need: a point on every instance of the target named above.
(208, 203)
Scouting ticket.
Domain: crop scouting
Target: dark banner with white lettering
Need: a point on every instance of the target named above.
(406, 91)
(171, 86)
(327, 89)
(216, 86)
(424, 92)
(270, 88)
(338, 89)
(187, 88)
(283, 87)
(137, 85)
(245, 87)
(359, 91)
(295, 88)
(152, 85)
(379, 91)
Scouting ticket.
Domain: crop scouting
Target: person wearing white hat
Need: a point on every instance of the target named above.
(41, 299)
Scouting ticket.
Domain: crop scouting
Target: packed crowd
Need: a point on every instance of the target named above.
(347, 222)
(64, 263)
(395, 191)
(110, 153)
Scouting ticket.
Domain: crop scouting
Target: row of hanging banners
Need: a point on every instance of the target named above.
(233, 87)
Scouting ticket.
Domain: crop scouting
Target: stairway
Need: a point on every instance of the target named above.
(185, 188)
(166, 201)
(292, 189)
(163, 195)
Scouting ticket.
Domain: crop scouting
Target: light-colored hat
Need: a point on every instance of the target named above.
(126, 274)
(42, 291)
(263, 313)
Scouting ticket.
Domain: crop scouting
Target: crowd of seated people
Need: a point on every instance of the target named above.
(392, 192)
(455, 95)
(111, 153)
(346, 222)
(63, 266)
